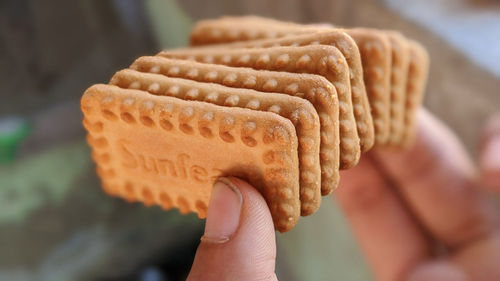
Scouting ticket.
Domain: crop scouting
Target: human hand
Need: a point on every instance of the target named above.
(239, 242)
(418, 215)
(421, 214)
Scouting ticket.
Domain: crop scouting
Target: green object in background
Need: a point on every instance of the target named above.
(42, 179)
(170, 24)
(13, 130)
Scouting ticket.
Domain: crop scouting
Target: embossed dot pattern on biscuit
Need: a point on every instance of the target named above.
(299, 111)
(316, 89)
(326, 61)
(175, 165)
(281, 105)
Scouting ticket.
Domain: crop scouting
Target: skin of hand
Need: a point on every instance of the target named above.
(422, 214)
(418, 214)
(239, 242)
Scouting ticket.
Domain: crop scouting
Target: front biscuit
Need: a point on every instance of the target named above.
(169, 152)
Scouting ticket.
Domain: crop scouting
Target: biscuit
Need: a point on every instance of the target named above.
(229, 29)
(167, 151)
(299, 111)
(326, 61)
(399, 75)
(415, 88)
(316, 89)
(333, 37)
(374, 47)
(375, 50)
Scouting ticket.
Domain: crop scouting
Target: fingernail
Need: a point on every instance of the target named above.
(223, 216)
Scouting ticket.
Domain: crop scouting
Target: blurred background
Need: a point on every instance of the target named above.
(56, 223)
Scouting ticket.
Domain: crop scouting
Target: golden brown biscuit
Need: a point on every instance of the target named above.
(399, 75)
(323, 60)
(375, 50)
(314, 88)
(376, 62)
(166, 151)
(374, 47)
(299, 111)
(415, 88)
(229, 29)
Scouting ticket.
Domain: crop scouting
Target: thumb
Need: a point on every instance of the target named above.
(239, 241)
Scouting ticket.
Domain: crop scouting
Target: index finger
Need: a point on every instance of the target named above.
(437, 180)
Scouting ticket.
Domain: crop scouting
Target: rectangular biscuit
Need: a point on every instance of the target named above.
(326, 61)
(299, 111)
(375, 49)
(233, 29)
(415, 89)
(175, 153)
(316, 89)
(399, 75)
(229, 29)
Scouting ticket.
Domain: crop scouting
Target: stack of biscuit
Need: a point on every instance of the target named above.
(284, 106)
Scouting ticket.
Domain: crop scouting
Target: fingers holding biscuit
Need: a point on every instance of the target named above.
(391, 240)
(436, 179)
(239, 240)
